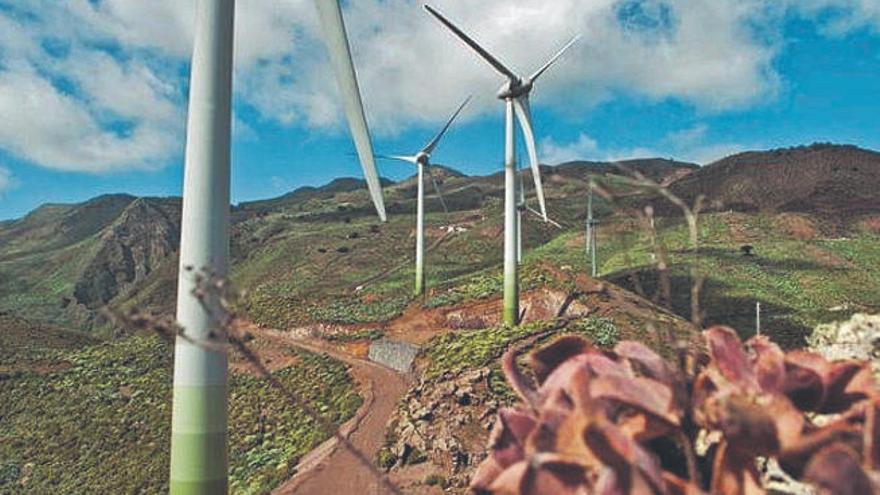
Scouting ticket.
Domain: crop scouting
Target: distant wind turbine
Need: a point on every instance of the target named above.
(523, 206)
(515, 93)
(199, 416)
(590, 240)
(422, 160)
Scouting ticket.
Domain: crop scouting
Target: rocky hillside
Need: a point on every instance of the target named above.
(62, 264)
(824, 179)
(318, 263)
(302, 256)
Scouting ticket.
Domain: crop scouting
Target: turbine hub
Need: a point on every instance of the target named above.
(422, 158)
(514, 88)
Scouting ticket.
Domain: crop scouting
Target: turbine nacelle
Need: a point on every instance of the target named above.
(422, 158)
(515, 88)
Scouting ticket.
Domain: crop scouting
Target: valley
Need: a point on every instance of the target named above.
(318, 278)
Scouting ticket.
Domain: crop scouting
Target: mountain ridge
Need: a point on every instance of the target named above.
(66, 262)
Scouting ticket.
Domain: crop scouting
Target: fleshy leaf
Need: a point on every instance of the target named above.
(547, 359)
(734, 473)
(520, 383)
(644, 394)
(649, 362)
(729, 358)
(768, 362)
(836, 470)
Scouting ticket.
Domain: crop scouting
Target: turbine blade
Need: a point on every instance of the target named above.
(553, 59)
(549, 220)
(429, 148)
(399, 158)
(437, 189)
(473, 44)
(524, 114)
(333, 27)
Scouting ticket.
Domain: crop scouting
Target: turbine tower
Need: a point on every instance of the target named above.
(590, 240)
(422, 160)
(198, 420)
(515, 94)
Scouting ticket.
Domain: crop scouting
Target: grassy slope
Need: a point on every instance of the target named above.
(798, 274)
(36, 284)
(801, 277)
(99, 418)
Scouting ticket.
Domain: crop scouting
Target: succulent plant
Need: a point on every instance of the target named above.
(627, 421)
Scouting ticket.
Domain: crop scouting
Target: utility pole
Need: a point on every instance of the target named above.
(198, 419)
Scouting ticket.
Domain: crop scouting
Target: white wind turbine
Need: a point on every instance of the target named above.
(521, 207)
(515, 93)
(591, 233)
(198, 420)
(422, 160)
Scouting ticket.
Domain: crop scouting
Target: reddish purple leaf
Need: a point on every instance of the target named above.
(836, 470)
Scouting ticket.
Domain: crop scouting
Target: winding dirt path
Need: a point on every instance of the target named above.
(330, 468)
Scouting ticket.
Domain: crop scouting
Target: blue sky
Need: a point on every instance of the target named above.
(98, 105)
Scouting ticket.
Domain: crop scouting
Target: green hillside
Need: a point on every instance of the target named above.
(75, 390)
(99, 417)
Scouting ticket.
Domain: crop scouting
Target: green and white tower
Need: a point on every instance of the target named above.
(198, 425)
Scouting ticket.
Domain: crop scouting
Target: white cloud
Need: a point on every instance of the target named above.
(843, 16)
(690, 145)
(46, 126)
(582, 148)
(7, 181)
(99, 85)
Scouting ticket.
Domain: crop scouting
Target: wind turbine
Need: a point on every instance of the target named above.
(422, 160)
(198, 418)
(521, 207)
(515, 93)
(590, 240)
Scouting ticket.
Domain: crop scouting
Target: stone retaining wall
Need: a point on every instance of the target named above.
(394, 354)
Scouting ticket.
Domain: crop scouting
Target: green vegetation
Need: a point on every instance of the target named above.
(437, 480)
(101, 418)
(456, 352)
(601, 331)
(801, 278)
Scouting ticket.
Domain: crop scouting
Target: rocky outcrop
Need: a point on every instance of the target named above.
(144, 235)
(445, 421)
(857, 338)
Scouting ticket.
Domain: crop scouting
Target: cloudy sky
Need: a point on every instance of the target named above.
(93, 92)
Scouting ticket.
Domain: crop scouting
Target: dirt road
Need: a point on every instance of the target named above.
(332, 469)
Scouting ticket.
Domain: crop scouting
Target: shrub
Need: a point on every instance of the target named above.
(437, 480)
(628, 422)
